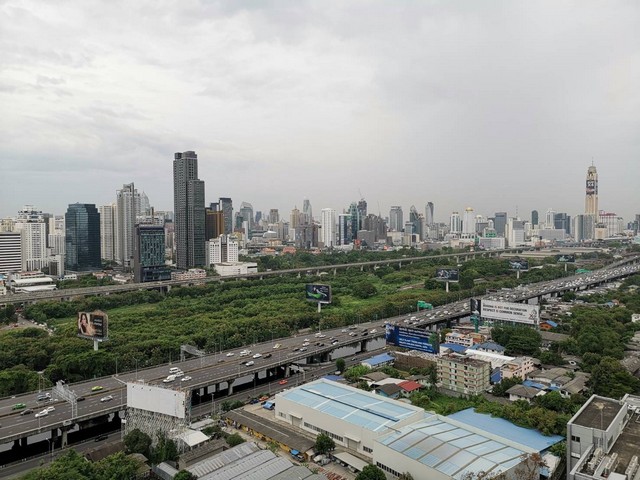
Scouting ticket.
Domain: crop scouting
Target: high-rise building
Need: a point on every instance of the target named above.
(307, 212)
(534, 218)
(214, 222)
(226, 205)
(246, 214)
(274, 215)
(148, 254)
(223, 249)
(396, 220)
(550, 218)
(294, 218)
(144, 208)
(561, 221)
(469, 221)
(591, 199)
(362, 213)
(258, 219)
(344, 220)
(82, 237)
(514, 232)
(455, 223)
(418, 222)
(188, 201)
(500, 222)
(429, 214)
(31, 223)
(328, 226)
(128, 204)
(108, 231)
(10, 252)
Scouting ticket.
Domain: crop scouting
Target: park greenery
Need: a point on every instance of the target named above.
(147, 327)
(72, 465)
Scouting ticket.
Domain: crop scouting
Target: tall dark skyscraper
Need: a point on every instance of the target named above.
(214, 221)
(429, 213)
(534, 217)
(148, 254)
(226, 205)
(188, 206)
(82, 239)
(500, 222)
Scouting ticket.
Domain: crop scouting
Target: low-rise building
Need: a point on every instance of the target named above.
(227, 269)
(191, 274)
(518, 367)
(603, 439)
(463, 374)
(522, 392)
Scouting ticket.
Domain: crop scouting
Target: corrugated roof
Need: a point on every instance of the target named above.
(454, 347)
(367, 410)
(499, 426)
(452, 450)
(378, 359)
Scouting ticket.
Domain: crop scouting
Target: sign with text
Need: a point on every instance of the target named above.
(318, 293)
(566, 258)
(510, 312)
(447, 274)
(411, 338)
(518, 264)
(93, 325)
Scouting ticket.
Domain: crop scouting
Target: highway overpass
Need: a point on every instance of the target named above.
(72, 293)
(221, 372)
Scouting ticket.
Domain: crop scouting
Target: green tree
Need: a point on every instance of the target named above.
(364, 289)
(405, 476)
(234, 439)
(324, 443)
(340, 365)
(610, 379)
(371, 472)
(185, 475)
(137, 442)
(116, 467)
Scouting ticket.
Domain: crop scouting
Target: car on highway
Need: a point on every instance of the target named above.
(43, 413)
(179, 373)
(43, 397)
(185, 379)
(26, 412)
(257, 355)
(19, 406)
(305, 344)
(267, 355)
(97, 388)
(80, 399)
(169, 379)
(108, 398)
(283, 382)
(250, 363)
(50, 409)
(303, 349)
(230, 354)
(245, 353)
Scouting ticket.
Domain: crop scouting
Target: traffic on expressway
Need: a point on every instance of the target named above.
(108, 394)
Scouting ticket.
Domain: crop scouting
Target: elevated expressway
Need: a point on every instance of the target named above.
(219, 373)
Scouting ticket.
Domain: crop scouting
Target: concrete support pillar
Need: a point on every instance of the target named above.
(363, 346)
(23, 442)
(362, 268)
(256, 377)
(64, 438)
(287, 371)
(230, 382)
(335, 272)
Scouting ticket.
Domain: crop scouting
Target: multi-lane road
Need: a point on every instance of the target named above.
(222, 367)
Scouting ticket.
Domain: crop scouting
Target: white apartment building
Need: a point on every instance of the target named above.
(328, 227)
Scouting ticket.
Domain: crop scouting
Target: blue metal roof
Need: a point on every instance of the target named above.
(532, 384)
(499, 426)
(379, 359)
(367, 410)
(551, 323)
(496, 376)
(454, 347)
(333, 378)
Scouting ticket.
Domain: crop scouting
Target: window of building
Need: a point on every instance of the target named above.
(575, 439)
(367, 449)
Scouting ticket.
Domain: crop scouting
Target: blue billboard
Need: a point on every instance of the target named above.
(406, 337)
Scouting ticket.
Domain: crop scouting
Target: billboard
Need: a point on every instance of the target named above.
(318, 293)
(406, 337)
(518, 264)
(447, 274)
(157, 399)
(566, 258)
(510, 312)
(475, 306)
(93, 325)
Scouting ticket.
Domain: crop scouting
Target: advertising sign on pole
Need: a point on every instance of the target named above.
(518, 264)
(566, 258)
(447, 274)
(93, 325)
(318, 293)
(510, 312)
(411, 338)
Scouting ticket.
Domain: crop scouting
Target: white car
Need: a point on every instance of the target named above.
(230, 354)
(108, 398)
(244, 353)
(179, 373)
(43, 413)
(50, 409)
(185, 379)
(250, 363)
(277, 345)
(305, 344)
(257, 355)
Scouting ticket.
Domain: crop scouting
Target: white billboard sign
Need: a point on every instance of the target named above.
(157, 399)
(510, 312)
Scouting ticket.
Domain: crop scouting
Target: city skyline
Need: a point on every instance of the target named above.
(487, 107)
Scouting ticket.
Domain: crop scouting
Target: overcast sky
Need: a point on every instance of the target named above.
(493, 105)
